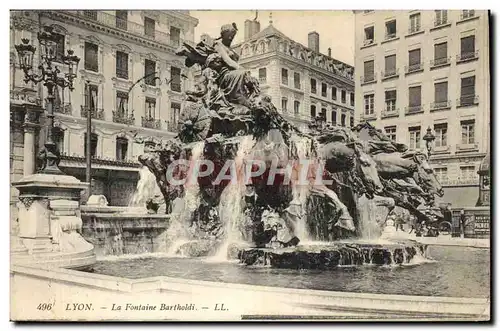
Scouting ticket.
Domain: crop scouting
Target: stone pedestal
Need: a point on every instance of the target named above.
(50, 222)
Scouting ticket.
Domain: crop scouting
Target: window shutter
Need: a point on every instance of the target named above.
(414, 57)
(440, 51)
(415, 96)
(369, 69)
(441, 92)
(390, 63)
(468, 86)
(467, 45)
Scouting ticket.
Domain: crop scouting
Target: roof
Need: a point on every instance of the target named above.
(484, 167)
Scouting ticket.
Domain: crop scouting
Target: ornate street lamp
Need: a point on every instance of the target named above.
(429, 137)
(50, 76)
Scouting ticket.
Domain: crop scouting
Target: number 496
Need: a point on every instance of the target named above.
(44, 306)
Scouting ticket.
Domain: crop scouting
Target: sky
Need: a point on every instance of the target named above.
(335, 28)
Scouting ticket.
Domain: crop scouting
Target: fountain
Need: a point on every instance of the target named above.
(268, 193)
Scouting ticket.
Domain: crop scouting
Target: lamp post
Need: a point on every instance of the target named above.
(50, 76)
(429, 137)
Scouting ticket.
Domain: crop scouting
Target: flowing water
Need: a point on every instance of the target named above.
(146, 189)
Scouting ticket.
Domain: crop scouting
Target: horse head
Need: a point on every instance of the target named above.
(366, 168)
(425, 175)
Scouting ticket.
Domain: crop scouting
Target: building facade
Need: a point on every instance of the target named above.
(302, 82)
(121, 53)
(429, 69)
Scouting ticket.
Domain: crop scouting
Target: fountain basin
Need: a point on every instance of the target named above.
(329, 256)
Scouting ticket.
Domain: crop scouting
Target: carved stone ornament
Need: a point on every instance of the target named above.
(23, 23)
(26, 201)
(93, 77)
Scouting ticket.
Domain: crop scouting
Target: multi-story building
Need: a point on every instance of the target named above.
(429, 69)
(117, 49)
(302, 82)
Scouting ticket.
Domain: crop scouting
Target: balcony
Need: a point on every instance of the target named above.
(369, 79)
(176, 87)
(440, 105)
(390, 36)
(122, 73)
(173, 126)
(414, 68)
(368, 42)
(125, 25)
(390, 73)
(468, 100)
(410, 110)
(390, 112)
(97, 114)
(65, 108)
(368, 117)
(441, 62)
(262, 80)
(441, 23)
(123, 118)
(466, 57)
(150, 123)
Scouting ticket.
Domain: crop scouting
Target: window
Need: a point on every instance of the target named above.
(414, 137)
(313, 86)
(467, 14)
(467, 47)
(175, 36)
(121, 65)
(284, 103)
(343, 96)
(59, 40)
(175, 76)
(390, 101)
(121, 149)
(59, 139)
(369, 104)
(149, 72)
(467, 132)
(441, 53)
(92, 14)
(352, 99)
(441, 174)
(262, 75)
(296, 80)
(369, 35)
(342, 119)
(334, 93)
(390, 65)
(313, 111)
(441, 131)
(415, 23)
(149, 27)
(369, 71)
(390, 29)
(468, 173)
(91, 51)
(440, 95)
(414, 61)
(122, 103)
(334, 117)
(441, 17)
(296, 107)
(284, 76)
(468, 91)
(176, 112)
(93, 144)
(390, 131)
(91, 97)
(121, 17)
(415, 98)
(324, 90)
(323, 113)
(351, 121)
(150, 108)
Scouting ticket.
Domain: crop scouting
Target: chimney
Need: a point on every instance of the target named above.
(329, 52)
(313, 41)
(251, 28)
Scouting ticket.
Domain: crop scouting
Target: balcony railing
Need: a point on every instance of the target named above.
(467, 56)
(368, 116)
(440, 105)
(388, 73)
(176, 87)
(414, 29)
(467, 100)
(123, 118)
(151, 123)
(466, 14)
(390, 113)
(440, 62)
(389, 36)
(262, 80)
(173, 126)
(414, 68)
(369, 79)
(91, 65)
(414, 109)
(64, 108)
(131, 27)
(368, 42)
(284, 80)
(97, 113)
(122, 73)
(441, 22)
